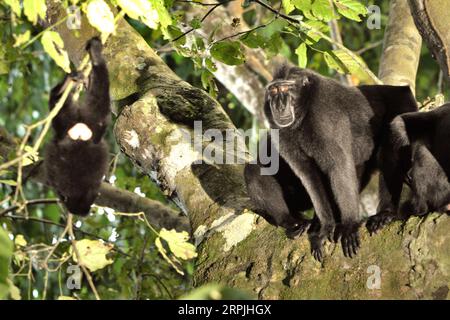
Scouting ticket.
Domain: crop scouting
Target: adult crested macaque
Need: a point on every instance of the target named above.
(331, 136)
(420, 143)
(77, 157)
(279, 198)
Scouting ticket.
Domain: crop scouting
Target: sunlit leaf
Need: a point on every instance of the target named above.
(32, 158)
(15, 6)
(301, 52)
(100, 16)
(333, 63)
(14, 292)
(288, 6)
(92, 254)
(12, 183)
(305, 6)
(66, 298)
(322, 10)
(54, 46)
(34, 9)
(142, 10)
(178, 243)
(351, 9)
(20, 241)
(22, 38)
(6, 251)
(172, 261)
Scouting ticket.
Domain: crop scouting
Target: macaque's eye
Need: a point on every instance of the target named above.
(283, 89)
(273, 91)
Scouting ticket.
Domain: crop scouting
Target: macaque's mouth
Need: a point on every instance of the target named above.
(283, 118)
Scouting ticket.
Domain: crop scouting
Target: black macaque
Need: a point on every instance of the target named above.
(331, 136)
(420, 145)
(77, 157)
(279, 198)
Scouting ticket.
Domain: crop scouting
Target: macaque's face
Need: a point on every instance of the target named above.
(283, 96)
(279, 94)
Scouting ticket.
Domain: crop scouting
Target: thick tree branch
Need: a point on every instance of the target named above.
(432, 20)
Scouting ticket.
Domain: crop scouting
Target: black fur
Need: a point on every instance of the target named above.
(420, 149)
(75, 168)
(331, 136)
(279, 198)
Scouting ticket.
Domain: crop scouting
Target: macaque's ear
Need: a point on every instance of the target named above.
(305, 81)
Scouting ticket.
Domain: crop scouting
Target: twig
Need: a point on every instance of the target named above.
(214, 7)
(200, 3)
(369, 47)
(49, 222)
(77, 254)
(244, 32)
(28, 203)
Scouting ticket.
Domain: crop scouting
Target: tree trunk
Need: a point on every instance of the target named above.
(401, 48)
(235, 247)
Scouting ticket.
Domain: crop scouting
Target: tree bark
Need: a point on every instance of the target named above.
(235, 247)
(432, 20)
(401, 48)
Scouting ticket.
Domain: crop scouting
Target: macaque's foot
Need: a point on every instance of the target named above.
(378, 221)
(297, 230)
(94, 47)
(317, 248)
(349, 236)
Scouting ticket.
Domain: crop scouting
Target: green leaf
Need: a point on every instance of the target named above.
(163, 15)
(22, 38)
(178, 243)
(15, 6)
(32, 158)
(304, 6)
(351, 9)
(92, 253)
(174, 32)
(301, 52)
(12, 183)
(174, 262)
(66, 298)
(195, 23)
(312, 37)
(100, 16)
(253, 40)
(34, 9)
(4, 66)
(322, 10)
(334, 63)
(19, 240)
(6, 251)
(228, 52)
(288, 6)
(54, 46)
(140, 10)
